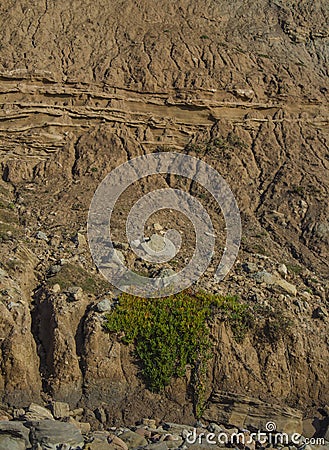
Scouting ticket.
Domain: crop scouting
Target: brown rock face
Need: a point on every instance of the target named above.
(56, 327)
(20, 380)
(85, 87)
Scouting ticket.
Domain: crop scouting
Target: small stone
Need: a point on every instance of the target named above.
(133, 439)
(157, 227)
(56, 288)
(55, 268)
(60, 410)
(159, 246)
(326, 410)
(18, 413)
(117, 442)
(152, 424)
(283, 271)
(77, 412)
(104, 305)
(81, 241)
(5, 418)
(37, 412)
(42, 236)
(84, 427)
(74, 293)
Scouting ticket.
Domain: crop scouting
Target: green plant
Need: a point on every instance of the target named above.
(172, 333)
(204, 36)
(294, 268)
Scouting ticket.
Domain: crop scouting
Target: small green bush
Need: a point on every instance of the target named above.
(172, 333)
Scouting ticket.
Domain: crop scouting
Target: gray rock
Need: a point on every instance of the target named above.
(37, 412)
(11, 433)
(8, 442)
(60, 410)
(159, 246)
(276, 281)
(42, 236)
(55, 268)
(51, 434)
(321, 230)
(104, 305)
(133, 439)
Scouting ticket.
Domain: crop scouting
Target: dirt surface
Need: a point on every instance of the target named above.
(85, 86)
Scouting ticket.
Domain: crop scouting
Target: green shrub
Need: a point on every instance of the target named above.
(172, 333)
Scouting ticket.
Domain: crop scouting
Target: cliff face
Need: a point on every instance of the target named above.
(84, 87)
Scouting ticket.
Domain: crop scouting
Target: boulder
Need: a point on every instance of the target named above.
(13, 435)
(49, 433)
(8, 442)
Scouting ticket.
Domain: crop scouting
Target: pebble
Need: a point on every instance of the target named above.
(104, 305)
(42, 236)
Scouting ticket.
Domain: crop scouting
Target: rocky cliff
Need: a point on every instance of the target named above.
(86, 86)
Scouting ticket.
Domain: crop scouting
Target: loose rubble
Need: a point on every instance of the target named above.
(56, 427)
